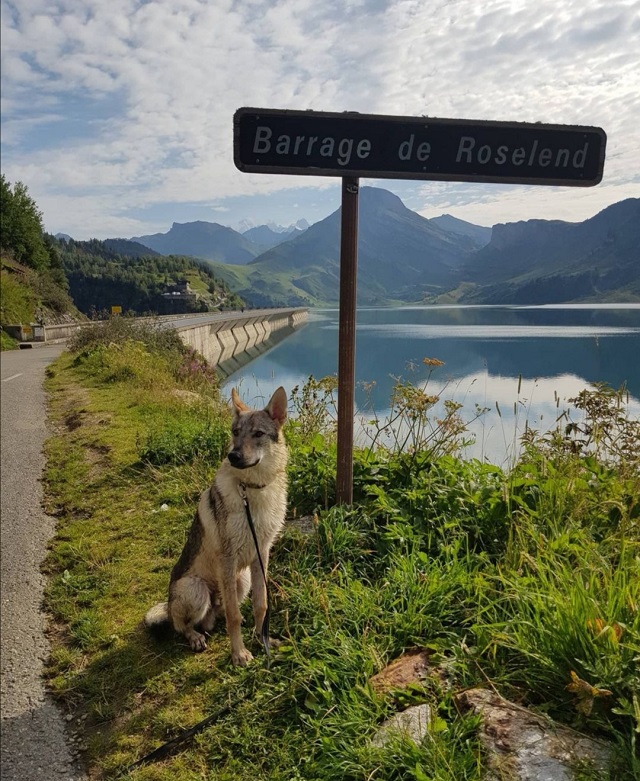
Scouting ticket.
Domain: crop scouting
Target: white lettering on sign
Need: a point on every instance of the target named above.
(305, 146)
(560, 158)
(262, 144)
(405, 150)
(343, 152)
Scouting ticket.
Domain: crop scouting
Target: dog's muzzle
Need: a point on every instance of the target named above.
(236, 459)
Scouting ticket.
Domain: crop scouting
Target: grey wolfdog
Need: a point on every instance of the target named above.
(219, 563)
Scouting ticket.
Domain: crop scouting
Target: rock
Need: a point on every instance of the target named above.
(410, 668)
(411, 723)
(525, 746)
(189, 397)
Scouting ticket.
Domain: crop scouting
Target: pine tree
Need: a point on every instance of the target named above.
(21, 231)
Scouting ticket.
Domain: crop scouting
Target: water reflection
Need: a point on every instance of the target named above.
(555, 351)
(238, 362)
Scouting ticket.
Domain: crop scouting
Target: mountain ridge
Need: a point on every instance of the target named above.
(548, 261)
(404, 257)
(200, 239)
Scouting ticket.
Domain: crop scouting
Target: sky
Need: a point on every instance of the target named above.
(118, 115)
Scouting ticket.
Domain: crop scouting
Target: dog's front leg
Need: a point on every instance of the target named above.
(239, 654)
(259, 590)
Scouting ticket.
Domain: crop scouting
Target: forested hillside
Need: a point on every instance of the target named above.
(105, 274)
(33, 284)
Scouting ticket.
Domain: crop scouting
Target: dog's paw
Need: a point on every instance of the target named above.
(197, 642)
(242, 657)
(274, 643)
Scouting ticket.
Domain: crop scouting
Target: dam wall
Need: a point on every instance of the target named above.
(219, 338)
(229, 338)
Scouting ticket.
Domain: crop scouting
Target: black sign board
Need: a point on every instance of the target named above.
(331, 144)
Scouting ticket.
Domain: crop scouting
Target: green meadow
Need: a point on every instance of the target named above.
(518, 580)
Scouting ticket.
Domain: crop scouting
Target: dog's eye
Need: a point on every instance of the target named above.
(235, 431)
(258, 434)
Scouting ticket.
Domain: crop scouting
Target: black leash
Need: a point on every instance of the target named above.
(264, 630)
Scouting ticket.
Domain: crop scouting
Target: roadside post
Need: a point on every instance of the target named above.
(350, 145)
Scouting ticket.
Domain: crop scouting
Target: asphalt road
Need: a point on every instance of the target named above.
(36, 742)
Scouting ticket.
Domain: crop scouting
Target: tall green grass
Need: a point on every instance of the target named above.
(525, 580)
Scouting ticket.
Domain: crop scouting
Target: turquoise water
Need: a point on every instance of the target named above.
(550, 353)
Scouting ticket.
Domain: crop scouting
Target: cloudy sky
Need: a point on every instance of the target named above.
(118, 115)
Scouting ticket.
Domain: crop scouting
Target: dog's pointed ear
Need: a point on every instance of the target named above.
(238, 404)
(277, 406)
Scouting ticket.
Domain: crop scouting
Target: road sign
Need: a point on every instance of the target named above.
(350, 145)
(457, 150)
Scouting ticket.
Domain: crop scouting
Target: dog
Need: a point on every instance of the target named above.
(219, 563)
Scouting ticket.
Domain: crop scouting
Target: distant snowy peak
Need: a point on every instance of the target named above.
(301, 225)
(266, 236)
(246, 225)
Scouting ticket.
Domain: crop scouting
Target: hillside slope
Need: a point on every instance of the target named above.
(540, 261)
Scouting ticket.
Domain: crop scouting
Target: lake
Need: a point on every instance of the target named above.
(522, 363)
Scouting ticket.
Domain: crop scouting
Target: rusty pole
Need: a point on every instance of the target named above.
(347, 338)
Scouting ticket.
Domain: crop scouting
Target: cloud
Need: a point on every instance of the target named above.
(164, 79)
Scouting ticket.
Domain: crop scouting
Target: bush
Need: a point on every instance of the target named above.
(117, 330)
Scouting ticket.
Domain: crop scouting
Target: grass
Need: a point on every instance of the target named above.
(7, 342)
(521, 579)
(17, 300)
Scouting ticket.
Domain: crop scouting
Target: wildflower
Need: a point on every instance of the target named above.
(585, 693)
(432, 362)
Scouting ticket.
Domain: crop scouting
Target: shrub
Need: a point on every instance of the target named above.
(117, 330)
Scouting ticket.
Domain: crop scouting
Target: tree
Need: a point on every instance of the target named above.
(21, 230)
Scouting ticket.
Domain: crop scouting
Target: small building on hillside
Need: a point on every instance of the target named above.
(179, 298)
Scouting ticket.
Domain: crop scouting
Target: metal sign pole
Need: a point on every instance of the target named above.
(347, 337)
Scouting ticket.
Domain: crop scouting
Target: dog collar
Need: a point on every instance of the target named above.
(242, 486)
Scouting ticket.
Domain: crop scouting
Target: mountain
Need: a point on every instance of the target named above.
(478, 233)
(246, 225)
(404, 257)
(550, 261)
(207, 240)
(401, 256)
(131, 249)
(265, 237)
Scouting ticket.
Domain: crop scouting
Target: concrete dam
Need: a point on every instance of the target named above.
(229, 340)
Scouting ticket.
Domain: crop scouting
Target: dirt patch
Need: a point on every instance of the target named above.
(96, 457)
(73, 420)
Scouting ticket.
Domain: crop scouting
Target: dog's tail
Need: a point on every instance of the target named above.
(157, 619)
